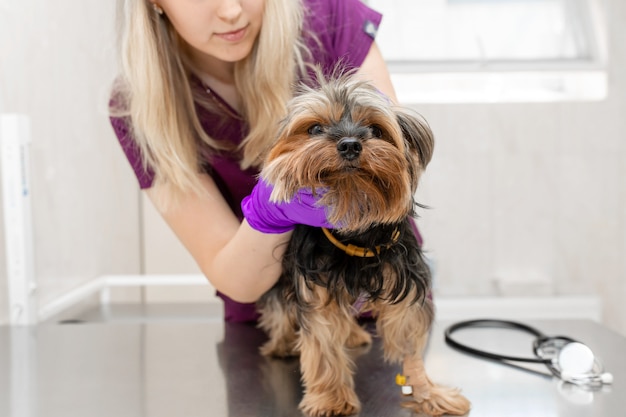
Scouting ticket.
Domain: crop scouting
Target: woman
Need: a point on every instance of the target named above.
(202, 87)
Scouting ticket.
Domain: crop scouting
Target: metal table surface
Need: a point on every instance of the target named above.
(213, 369)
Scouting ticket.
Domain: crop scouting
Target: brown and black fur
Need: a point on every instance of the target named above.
(364, 157)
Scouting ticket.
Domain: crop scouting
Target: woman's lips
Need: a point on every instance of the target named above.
(234, 36)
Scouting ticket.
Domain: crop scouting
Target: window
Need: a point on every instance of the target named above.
(494, 50)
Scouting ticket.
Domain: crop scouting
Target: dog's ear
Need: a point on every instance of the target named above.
(417, 134)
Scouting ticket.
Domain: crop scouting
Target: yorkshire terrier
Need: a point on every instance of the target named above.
(363, 157)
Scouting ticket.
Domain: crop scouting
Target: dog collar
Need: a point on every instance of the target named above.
(358, 251)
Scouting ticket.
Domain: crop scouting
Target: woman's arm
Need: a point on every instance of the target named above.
(239, 261)
(375, 70)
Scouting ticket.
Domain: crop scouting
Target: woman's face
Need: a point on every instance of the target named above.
(220, 29)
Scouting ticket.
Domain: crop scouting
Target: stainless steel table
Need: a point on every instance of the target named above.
(188, 369)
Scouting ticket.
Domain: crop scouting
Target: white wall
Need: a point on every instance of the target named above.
(533, 191)
(56, 64)
(528, 192)
(4, 290)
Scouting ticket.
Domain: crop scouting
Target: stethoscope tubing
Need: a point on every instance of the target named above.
(499, 324)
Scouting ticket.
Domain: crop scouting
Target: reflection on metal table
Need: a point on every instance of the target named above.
(209, 368)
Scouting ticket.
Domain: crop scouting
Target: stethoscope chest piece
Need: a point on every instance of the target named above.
(576, 358)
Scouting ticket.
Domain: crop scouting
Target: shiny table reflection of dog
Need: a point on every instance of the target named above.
(363, 156)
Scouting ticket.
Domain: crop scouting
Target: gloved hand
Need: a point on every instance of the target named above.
(268, 217)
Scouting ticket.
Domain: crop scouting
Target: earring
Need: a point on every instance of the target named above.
(157, 9)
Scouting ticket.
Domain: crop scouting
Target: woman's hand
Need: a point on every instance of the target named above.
(217, 240)
(268, 217)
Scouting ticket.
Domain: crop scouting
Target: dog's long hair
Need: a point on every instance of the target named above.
(370, 196)
(363, 157)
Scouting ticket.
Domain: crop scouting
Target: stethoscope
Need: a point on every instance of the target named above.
(566, 358)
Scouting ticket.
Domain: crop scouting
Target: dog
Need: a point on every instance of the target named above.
(363, 157)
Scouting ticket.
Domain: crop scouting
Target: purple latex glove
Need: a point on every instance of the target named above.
(268, 217)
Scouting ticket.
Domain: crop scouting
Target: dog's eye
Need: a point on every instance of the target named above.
(376, 131)
(316, 130)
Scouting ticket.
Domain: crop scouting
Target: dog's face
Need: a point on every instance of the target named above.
(346, 138)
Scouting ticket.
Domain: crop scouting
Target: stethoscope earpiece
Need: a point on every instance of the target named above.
(606, 378)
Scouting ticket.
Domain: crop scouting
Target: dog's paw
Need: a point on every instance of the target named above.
(439, 401)
(279, 349)
(430, 398)
(341, 402)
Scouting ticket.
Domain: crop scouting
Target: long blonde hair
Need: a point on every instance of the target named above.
(154, 89)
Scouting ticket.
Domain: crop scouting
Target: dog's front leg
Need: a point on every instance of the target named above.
(327, 368)
(404, 328)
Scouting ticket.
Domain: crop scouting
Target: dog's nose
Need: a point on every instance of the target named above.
(349, 148)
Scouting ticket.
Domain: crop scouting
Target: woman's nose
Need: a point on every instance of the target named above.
(229, 10)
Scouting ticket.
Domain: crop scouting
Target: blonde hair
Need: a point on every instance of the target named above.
(154, 90)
